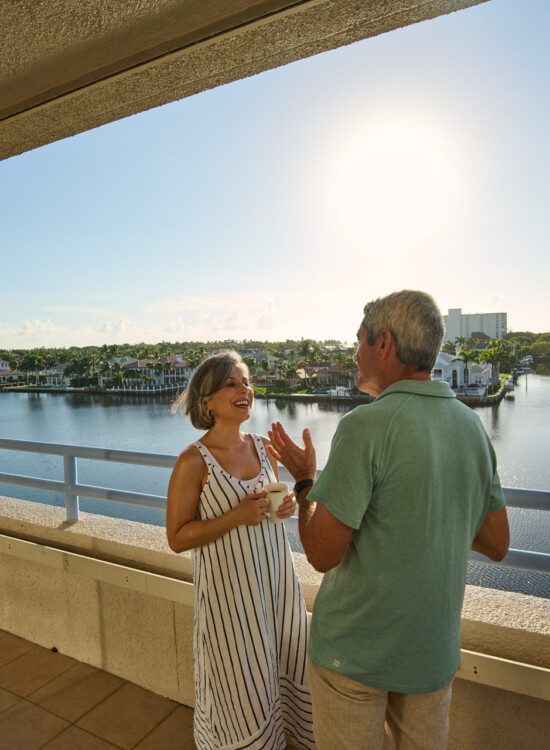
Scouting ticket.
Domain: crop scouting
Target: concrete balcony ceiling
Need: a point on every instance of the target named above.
(71, 65)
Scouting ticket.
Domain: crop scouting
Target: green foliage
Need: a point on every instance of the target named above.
(449, 347)
(466, 355)
(85, 364)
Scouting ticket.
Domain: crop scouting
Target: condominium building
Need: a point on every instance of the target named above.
(457, 324)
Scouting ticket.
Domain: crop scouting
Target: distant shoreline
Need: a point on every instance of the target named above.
(311, 398)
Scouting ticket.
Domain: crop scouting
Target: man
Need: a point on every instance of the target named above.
(409, 488)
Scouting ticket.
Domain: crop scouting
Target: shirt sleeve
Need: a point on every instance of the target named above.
(346, 483)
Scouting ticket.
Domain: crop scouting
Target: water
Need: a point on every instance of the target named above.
(518, 427)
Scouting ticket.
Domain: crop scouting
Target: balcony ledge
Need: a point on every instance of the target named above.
(500, 623)
(144, 635)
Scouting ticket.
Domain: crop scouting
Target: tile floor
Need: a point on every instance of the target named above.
(51, 701)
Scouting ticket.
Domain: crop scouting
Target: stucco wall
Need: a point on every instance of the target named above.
(148, 640)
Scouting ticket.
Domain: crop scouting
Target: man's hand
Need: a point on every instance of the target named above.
(300, 462)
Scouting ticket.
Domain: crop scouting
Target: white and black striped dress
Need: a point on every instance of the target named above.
(250, 634)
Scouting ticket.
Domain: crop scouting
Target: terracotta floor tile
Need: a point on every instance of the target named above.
(76, 691)
(7, 699)
(11, 647)
(32, 670)
(28, 727)
(176, 731)
(125, 717)
(74, 738)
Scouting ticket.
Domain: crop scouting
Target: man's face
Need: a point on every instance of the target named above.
(364, 359)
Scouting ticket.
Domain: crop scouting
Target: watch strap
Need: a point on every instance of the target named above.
(302, 484)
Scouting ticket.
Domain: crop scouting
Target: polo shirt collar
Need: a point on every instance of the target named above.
(420, 388)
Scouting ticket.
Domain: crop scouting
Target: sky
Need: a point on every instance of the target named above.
(275, 207)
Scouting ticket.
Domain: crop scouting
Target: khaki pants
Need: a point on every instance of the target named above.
(348, 715)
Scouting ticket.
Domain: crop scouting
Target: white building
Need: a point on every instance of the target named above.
(495, 325)
(55, 376)
(472, 377)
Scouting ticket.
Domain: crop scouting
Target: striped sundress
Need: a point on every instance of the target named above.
(250, 628)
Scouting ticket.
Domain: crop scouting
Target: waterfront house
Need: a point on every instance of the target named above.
(10, 376)
(54, 377)
(463, 376)
(153, 374)
(334, 375)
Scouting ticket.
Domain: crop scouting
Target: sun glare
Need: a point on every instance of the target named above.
(393, 182)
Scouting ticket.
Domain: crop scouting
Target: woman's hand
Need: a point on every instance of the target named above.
(251, 510)
(301, 462)
(288, 507)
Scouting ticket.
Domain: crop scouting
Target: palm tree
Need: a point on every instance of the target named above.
(449, 347)
(32, 361)
(250, 362)
(349, 367)
(309, 351)
(93, 364)
(288, 371)
(105, 368)
(494, 354)
(117, 372)
(266, 366)
(467, 355)
(13, 360)
(195, 355)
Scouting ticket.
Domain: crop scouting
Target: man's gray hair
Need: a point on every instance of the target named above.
(415, 323)
(209, 377)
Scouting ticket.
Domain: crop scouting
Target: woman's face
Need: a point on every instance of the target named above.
(233, 402)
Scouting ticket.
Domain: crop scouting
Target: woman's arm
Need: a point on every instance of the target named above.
(184, 490)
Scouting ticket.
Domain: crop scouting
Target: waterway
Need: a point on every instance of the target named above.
(519, 428)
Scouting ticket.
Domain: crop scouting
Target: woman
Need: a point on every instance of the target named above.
(250, 633)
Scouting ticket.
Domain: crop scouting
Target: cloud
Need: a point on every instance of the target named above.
(236, 315)
(275, 315)
(75, 310)
(33, 327)
(118, 327)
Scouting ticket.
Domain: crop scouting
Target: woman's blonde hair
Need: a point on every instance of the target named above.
(209, 377)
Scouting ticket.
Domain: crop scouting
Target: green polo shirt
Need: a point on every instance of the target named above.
(414, 474)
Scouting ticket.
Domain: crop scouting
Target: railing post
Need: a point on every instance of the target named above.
(71, 499)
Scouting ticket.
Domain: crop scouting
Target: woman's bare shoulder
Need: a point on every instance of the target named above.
(190, 461)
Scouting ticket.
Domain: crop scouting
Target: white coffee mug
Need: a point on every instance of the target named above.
(276, 493)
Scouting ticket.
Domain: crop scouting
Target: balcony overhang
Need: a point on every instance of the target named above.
(69, 66)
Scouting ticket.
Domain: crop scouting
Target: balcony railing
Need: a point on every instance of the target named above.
(73, 490)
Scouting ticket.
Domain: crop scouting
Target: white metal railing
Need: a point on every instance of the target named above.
(70, 486)
(73, 490)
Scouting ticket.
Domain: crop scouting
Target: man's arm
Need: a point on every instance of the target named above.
(324, 537)
(493, 536)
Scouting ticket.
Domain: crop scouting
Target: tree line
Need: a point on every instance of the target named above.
(282, 360)
(84, 365)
